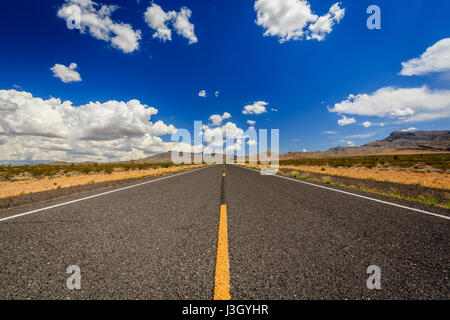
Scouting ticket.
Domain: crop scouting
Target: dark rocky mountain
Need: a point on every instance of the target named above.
(419, 140)
(398, 142)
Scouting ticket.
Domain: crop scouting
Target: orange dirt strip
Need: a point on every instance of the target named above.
(9, 189)
(426, 179)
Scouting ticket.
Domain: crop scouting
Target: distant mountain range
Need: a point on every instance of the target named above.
(398, 142)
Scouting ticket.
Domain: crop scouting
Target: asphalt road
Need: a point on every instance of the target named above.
(257, 237)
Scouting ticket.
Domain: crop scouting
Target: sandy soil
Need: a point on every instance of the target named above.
(426, 179)
(9, 189)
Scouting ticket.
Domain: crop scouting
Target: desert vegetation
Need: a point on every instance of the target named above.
(419, 170)
(14, 173)
(394, 194)
(417, 161)
(20, 180)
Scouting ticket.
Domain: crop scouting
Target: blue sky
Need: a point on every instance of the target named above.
(298, 77)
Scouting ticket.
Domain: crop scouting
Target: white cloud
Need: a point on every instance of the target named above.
(329, 132)
(294, 19)
(251, 122)
(159, 20)
(217, 93)
(183, 147)
(406, 104)
(368, 124)
(257, 107)
(217, 119)
(350, 143)
(304, 150)
(325, 23)
(435, 59)
(409, 129)
(346, 121)
(216, 137)
(66, 74)
(38, 129)
(96, 20)
(183, 26)
(360, 136)
(274, 109)
(202, 94)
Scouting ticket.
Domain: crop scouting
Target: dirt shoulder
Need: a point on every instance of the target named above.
(430, 178)
(366, 182)
(13, 194)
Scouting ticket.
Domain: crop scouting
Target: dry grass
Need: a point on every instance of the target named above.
(9, 189)
(426, 179)
(439, 180)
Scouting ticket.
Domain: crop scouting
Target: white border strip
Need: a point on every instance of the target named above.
(359, 196)
(98, 195)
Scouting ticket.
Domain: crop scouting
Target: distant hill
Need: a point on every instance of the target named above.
(397, 142)
(157, 158)
(420, 140)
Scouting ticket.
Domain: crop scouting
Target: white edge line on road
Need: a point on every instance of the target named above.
(98, 195)
(358, 195)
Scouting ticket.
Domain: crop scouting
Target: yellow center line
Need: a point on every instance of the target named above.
(222, 279)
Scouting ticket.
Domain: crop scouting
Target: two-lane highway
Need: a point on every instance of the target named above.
(206, 234)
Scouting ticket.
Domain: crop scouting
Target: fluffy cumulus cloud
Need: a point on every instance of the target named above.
(66, 74)
(157, 19)
(216, 119)
(39, 129)
(215, 138)
(95, 19)
(435, 59)
(294, 19)
(202, 93)
(405, 104)
(183, 27)
(346, 121)
(160, 21)
(257, 107)
(225, 138)
(324, 24)
(251, 122)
